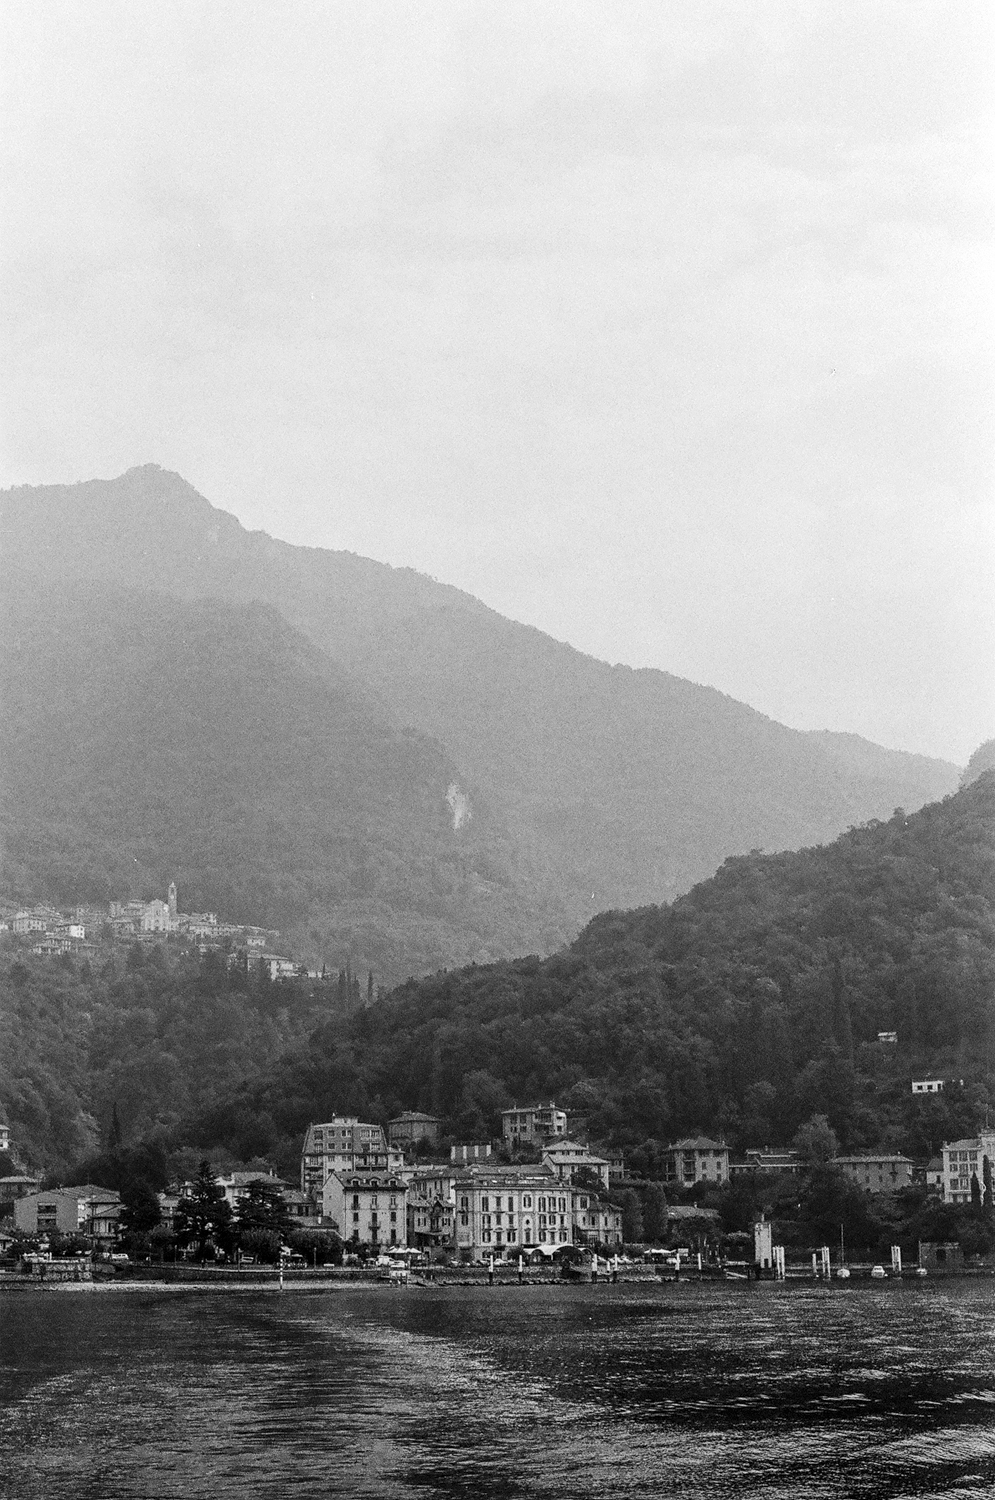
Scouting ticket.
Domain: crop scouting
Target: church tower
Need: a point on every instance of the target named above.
(171, 896)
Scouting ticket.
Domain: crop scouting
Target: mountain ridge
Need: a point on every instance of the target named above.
(621, 785)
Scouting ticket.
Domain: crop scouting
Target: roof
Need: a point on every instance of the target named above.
(569, 1158)
(415, 1114)
(367, 1176)
(690, 1211)
(698, 1143)
(872, 1156)
(78, 1191)
(519, 1109)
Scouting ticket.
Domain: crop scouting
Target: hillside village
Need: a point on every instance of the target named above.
(86, 930)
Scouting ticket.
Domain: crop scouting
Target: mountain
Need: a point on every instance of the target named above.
(750, 1004)
(147, 738)
(597, 786)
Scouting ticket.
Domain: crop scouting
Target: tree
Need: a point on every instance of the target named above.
(986, 1171)
(203, 1214)
(654, 1214)
(114, 1136)
(632, 1218)
(261, 1210)
(816, 1141)
(140, 1211)
(975, 1193)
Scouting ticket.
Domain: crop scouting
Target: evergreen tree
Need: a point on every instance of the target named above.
(654, 1214)
(203, 1214)
(986, 1172)
(261, 1209)
(114, 1136)
(632, 1218)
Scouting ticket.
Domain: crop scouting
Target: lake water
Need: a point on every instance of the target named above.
(686, 1391)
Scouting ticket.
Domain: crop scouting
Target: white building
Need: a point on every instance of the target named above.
(927, 1085)
(565, 1158)
(370, 1208)
(345, 1144)
(499, 1210)
(963, 1160)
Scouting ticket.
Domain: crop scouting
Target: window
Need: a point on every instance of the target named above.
(527, 1201)
(485, 1203)
(355, 1200)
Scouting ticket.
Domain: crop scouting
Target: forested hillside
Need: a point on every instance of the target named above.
(587, 786)
(745, 1007)
(146, 1036)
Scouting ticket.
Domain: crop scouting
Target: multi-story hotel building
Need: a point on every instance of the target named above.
(499, 1210)
(340, 1144)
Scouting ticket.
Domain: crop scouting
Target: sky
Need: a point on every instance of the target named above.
(665, 327)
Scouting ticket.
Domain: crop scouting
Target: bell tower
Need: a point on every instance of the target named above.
(171, 897)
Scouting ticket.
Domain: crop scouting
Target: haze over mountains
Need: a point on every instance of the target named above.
(375, 762)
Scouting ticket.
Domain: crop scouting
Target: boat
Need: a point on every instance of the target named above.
(878, 1273)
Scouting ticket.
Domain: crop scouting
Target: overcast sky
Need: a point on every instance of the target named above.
(665, 327)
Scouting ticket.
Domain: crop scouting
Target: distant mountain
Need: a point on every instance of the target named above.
(588, 786)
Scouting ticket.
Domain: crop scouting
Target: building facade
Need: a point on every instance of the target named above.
(413, 1126)
(533, 1122)
(696, 1159)
(963, 1160)
(369, 1208)
(499, 1211)
(565, 1158)
(88, 1210)
(431, 1211)
(877, 1173)
(335, 1145)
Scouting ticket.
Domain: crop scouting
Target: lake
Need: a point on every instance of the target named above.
(789, 1391)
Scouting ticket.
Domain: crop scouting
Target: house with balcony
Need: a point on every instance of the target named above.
(565, 1158)
(963, 1160)
(369, 1208)
(696, 1159)
(88, 1210)
(339, 1144)
(533, 1123)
